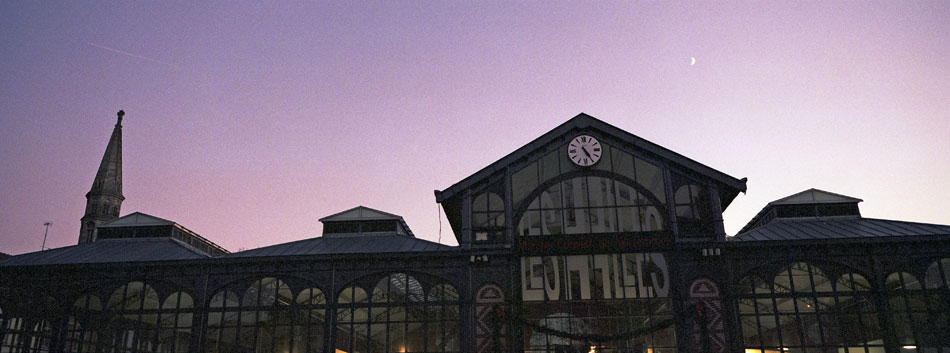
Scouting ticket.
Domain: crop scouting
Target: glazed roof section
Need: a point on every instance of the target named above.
(109, 251)
(366, 244)
(583, 121)
(792, 229)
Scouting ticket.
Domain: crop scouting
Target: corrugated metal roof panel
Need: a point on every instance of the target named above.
(839, 228)
(109, 250)
(364, 244)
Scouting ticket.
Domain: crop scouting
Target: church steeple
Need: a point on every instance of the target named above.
(105, 197)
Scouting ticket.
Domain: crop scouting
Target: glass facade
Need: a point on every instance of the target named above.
(400, 316)
(623, 256)
(622, 194)
(802, 310)
(268, 317)
(613, 302)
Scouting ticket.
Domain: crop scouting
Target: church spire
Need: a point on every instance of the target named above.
(105, 197)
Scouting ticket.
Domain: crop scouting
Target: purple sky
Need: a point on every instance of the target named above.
(246, 123)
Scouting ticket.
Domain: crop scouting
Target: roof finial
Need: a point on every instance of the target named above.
(120, 114)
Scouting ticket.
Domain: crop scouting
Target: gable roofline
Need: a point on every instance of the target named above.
(583, 121)
(838, 198)
(136, 216)
(790, 200)
(156, 221)
(360, 208)
(337, 217)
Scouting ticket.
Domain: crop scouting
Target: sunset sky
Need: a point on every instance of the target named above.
(247, 122)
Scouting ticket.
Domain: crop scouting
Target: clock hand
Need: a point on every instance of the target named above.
(587, 153)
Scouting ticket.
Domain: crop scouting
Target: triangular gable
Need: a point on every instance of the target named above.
(584, 121)
(814, 196)
(359, 212)
(137, 219)
(451, 198)
(363, 213)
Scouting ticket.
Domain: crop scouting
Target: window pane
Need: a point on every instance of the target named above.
(575, 193)
(552, 222)
(938, 274)
(651, 177)
(530, 223)
(524, 182)
(602, 220)
(628, 218)
(623, 163)
(601, 192)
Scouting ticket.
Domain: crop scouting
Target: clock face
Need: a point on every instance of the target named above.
(584, 150)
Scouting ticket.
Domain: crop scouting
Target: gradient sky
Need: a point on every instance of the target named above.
(247, 122)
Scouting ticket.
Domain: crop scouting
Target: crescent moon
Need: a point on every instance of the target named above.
(692, 61)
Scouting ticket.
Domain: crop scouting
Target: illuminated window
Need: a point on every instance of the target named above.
(268, 318)
(399, 317)
(803, 310)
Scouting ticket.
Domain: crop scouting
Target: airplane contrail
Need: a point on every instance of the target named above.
(129, 54)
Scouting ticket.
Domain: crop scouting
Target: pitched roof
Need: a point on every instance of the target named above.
(109, 250)
(810, 196)
(839, 228)
(363, 213)
(136, 219)
(360, 213)
(582, 121)
(813, 196)
(367, 244)
(139, 219)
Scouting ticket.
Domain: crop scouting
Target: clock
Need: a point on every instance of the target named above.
(584, 150)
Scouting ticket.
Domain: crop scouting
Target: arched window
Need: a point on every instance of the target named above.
(263, 322)
(443, 319)
(937, 298)
(803, 310)
(488, 216)
(223, 314)
(132, 318)
(267, 318)
(352, 314)
(938, 274)
(309, 321)
(852, 282)
(621, 193)
(84, 325)
(399, 317)
(904, 307)
(175, 323)
(590, 204)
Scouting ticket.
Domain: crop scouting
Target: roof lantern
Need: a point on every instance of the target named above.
(140, 225)
(362, 220)
(811, 203)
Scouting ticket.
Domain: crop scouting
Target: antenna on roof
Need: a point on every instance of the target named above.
(47, 224)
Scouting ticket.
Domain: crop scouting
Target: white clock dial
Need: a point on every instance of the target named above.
(584, 150)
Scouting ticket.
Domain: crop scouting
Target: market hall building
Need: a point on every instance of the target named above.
(587, 239)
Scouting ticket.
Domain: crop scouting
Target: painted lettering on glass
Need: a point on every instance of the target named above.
(601, 276)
